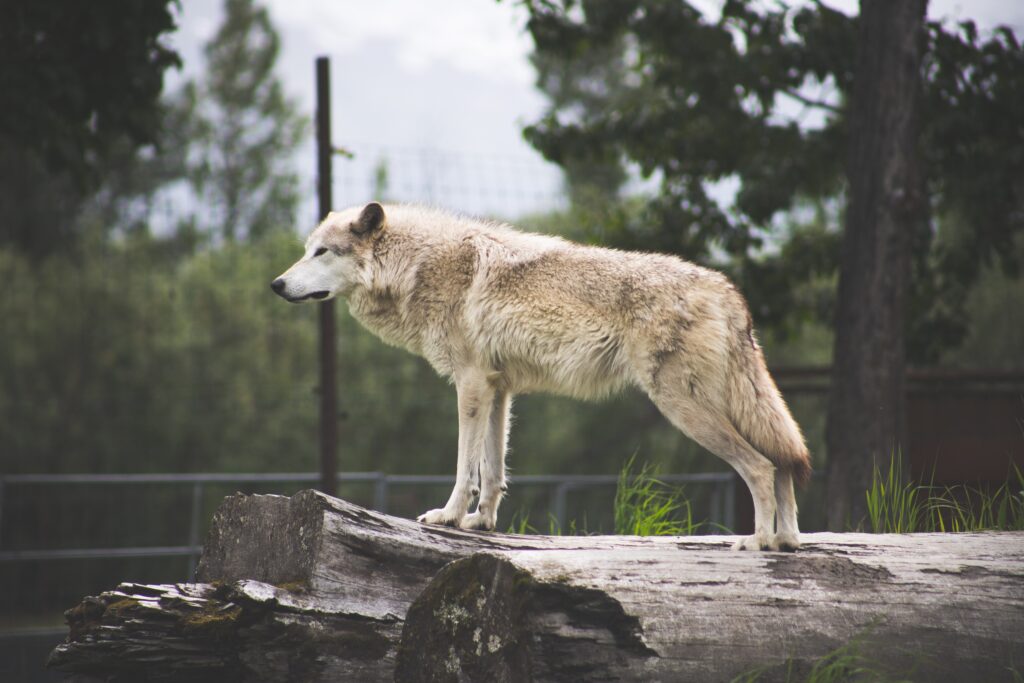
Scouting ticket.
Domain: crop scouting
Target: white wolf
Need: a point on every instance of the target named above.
(502, 312)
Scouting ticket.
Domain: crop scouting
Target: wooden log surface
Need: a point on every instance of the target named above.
(243, 631)
(314, 588)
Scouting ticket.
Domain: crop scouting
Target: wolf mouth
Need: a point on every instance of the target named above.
(319, 294)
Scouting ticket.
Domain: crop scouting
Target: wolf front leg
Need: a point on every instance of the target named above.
(492, 466)
(476, 402)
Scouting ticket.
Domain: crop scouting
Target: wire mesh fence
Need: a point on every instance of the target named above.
(500, 185)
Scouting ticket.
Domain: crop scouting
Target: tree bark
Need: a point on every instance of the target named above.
(315, 589)
(866, 400)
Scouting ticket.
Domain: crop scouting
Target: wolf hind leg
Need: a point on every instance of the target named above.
(715, 432)
(476, 403)
(787, 536)
(492, 466)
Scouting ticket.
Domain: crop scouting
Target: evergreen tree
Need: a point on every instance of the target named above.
(244, 129)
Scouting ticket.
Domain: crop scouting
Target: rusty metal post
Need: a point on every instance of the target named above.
(328, 367)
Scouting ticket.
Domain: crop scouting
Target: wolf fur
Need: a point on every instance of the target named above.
(502, 312)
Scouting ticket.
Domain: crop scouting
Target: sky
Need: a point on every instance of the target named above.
(439, 91)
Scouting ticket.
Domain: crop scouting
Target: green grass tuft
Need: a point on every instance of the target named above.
(646, 506)
(898, 506)
(895, 506)
(845, 663)
(520, 523)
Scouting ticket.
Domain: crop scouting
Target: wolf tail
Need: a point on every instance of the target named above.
(763, 419)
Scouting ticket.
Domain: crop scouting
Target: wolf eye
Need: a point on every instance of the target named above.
(320, 252)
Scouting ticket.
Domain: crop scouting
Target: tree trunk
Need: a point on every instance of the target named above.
(314, 589)
(866, 400)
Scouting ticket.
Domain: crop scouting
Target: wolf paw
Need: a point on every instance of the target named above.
(477, 520)
(757, 541)
(440, 516)
(787, 541)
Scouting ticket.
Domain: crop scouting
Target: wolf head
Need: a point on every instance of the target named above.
(336, 253)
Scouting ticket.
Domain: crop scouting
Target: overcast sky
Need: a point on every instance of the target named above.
(439, 90)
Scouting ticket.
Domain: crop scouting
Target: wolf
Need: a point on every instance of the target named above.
(502, 312)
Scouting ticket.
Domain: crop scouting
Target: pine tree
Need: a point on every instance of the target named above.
(244, 129)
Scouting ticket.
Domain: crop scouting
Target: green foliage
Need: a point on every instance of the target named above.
(81, 84)
(845, 663)
(692, 101)
(382, 180)
(994, 322)
(520, 523)
(645, 506)
(897, 505)
(795, 288)
(757, 97)
(973, 508)
(79, 77)
(243, 129)
(126, 359)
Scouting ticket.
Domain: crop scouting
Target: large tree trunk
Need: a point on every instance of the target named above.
(866, 401)
(314, 589)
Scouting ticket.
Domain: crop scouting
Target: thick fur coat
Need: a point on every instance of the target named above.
(502, 312)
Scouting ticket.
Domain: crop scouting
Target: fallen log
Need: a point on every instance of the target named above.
(244, 631)
(313, 588)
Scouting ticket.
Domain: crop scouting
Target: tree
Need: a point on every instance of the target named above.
(693, 101)
(594, 175)
(886, 207)
(244, 128)
(79, 80)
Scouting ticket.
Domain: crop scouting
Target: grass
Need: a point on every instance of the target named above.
(646, 506)
(520, 524)
(845, 663)
(897, 505)
(969, 508)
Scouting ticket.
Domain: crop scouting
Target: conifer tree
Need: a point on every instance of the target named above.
(244, 129)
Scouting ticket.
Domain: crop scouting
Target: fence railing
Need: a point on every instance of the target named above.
(721, 506)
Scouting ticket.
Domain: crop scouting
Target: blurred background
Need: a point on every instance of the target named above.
(157, 170)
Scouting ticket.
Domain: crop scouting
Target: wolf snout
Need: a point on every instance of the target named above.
(278, 286)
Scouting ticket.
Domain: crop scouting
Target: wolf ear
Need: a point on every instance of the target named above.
(370, 220)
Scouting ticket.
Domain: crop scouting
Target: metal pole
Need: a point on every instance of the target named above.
(560, 507)
(730, 504)
(193, 527)
(380, 493)
(328, 387)
(716, 505)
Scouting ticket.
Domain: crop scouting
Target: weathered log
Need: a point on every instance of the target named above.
(312, 588)
(923, 608)
(245, 631)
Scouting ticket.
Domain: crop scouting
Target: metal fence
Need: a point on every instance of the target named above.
(24, 648)
(720, 509)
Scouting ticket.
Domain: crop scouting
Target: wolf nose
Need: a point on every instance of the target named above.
(277, 285)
